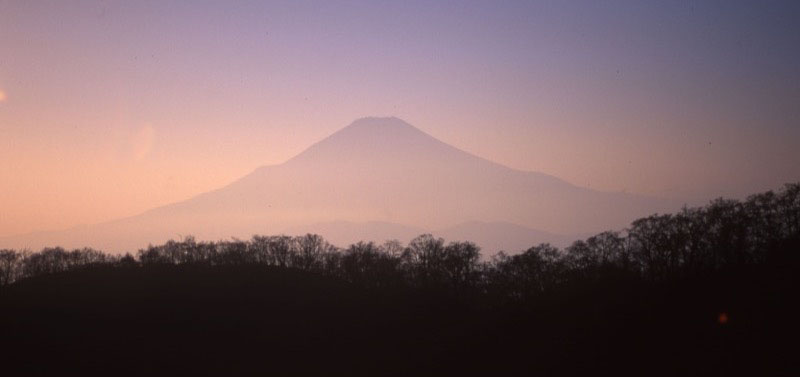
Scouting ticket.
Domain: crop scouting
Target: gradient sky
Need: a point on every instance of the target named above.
(111, 108)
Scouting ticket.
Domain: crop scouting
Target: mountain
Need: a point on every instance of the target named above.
(375, 170)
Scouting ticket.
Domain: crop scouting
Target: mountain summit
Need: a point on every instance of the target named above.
(376, 140)
(369, 131)
(374, 171)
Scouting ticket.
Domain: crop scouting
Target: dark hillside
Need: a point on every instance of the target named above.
(176, 320)
(188, 319)
(180, 320)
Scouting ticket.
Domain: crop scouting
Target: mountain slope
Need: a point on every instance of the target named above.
(376, 169)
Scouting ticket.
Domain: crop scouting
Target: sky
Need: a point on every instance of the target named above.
(110, 108)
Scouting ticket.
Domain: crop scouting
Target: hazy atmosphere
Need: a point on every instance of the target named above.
(109, 109)
(399, 188)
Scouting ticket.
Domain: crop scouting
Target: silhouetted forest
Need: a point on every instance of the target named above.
(707, 290)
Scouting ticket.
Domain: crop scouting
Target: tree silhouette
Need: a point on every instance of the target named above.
(662, 247)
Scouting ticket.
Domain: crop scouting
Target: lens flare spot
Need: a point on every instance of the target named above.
(3, 96)
(722, 318)
(142, 142)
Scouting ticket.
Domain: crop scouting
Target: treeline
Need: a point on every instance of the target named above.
(763, 229)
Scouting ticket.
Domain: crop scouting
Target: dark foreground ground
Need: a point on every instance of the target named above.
(185, 320)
